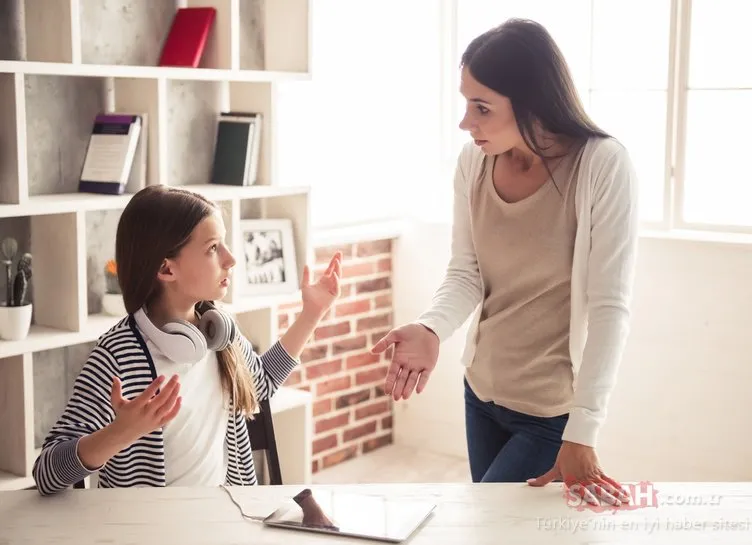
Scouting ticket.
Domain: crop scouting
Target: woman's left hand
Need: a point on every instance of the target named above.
(578, 467)
(319, 296)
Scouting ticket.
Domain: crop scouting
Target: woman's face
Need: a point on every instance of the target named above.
(489, 117)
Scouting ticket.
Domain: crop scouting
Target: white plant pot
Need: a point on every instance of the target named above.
(15, 322)
(113, 305)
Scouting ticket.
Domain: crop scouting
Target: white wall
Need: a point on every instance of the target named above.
(682, 407)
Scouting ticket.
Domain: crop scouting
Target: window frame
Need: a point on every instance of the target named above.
(681, 44)
(677, 92)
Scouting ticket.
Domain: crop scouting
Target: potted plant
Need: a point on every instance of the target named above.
(16, 312)
(112, 299)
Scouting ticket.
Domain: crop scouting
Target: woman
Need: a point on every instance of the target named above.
(543, 249)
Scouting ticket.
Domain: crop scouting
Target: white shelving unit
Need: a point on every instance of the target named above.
(60, 51)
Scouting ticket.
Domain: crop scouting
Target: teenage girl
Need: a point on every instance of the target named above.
(125, 418)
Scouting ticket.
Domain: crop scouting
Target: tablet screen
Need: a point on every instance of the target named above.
(358, 515)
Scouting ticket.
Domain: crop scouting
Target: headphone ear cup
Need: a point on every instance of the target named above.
(187, 343)
(232, 331)
(218, 329)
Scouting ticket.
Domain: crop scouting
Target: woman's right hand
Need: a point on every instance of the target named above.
(416, 351)
(146, 412)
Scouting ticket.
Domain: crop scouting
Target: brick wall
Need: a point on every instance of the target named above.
(352, 416)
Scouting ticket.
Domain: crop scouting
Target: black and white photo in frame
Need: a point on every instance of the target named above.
(268, 261)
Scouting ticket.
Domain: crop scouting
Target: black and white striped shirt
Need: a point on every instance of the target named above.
(122, 352)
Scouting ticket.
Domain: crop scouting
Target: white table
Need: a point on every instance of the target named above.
(497, 514)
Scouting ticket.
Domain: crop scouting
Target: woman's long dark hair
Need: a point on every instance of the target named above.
(520, 60)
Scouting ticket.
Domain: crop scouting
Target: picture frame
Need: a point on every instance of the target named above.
(267, 261)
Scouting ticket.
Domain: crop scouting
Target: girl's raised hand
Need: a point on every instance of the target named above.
(318, 297)
(148, 411)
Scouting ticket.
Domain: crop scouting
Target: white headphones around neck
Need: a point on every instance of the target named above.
(182, 342)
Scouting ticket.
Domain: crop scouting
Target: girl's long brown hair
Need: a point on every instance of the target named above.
(155, 225)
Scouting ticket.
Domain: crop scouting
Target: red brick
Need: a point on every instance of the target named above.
(373, 322)
(313, 353)
(315, 466)
(283, 321)
(384, 265)
(334, 422)
(349, 344)
(296, 377)
(383, 301)
(361, 360)
(324, 443)
(378, 391)
(345, 291)
(386, 423)
(358, 432)
(340, 456)
(334, 330)
(374, 247)
(372, 410)
(289, 306)
(358, 269)
(372, 375)
(324, 254)
(332, 385)
(352, 307)
(324, 369)
(322, 406)
(354, 398)
(377, 442)
(376, 284)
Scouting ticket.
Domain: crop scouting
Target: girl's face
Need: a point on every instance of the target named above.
(489, 117)
(202, 269)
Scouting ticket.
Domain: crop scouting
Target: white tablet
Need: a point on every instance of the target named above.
(376, 517)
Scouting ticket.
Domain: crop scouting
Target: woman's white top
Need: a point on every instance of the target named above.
(603, 267)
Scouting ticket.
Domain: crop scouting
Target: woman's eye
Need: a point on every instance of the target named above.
(213, 248)
(483, 110)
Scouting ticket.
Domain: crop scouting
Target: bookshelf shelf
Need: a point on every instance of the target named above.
(62, 203)
(77, 58)
(148, 72)
(42, 338)
(250, 304)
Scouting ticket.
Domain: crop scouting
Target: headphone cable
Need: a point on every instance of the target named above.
(240, 508)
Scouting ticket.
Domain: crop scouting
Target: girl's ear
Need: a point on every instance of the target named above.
(166, 273)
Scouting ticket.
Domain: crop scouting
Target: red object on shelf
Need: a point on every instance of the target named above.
(186, 41)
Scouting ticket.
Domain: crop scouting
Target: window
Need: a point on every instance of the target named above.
(622, 80)
(716, 184)
(375, 132)
(365, 133)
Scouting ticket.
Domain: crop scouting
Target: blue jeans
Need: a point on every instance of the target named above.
(508, 446)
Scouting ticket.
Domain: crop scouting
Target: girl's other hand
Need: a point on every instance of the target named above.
(148, 411)
(318, 297)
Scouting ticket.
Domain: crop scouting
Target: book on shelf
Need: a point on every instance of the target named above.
(186, 40)
(236, 149)
(137, 177)
(111, 153)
